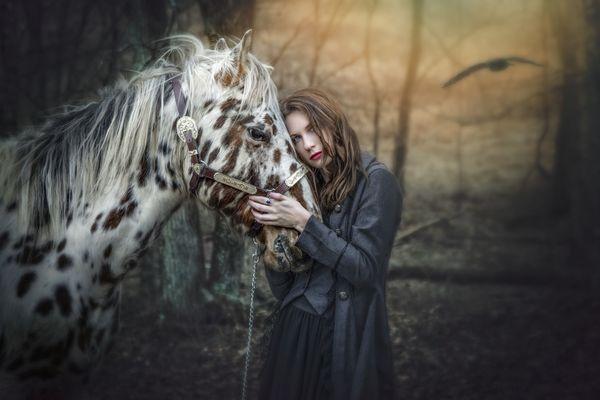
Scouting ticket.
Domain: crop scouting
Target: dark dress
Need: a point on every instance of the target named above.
(351, 252)
(298, 362)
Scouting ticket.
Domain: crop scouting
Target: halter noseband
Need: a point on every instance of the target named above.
(188, 132)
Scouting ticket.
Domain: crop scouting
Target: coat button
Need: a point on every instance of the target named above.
(338, 231)
(343, 295)
(337, 208)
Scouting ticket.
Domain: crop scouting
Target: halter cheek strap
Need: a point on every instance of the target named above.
(188, 132)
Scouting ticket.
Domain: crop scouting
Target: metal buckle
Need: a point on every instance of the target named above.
(186, 124)
(197, 169)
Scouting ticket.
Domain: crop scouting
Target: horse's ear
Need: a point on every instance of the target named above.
(240, 51)
(221, 45)
(239, 54)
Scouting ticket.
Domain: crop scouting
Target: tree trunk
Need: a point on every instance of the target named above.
(577, 165)
(372, 78)
(587, 189)
(568, 130)
(227, 260)
(405, 106)
(182, 259)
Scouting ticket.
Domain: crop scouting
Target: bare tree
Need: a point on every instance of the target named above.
(587, 190)
(576, 169)
(372, 79)
(568, 122)
(322, 34)
(405, 105)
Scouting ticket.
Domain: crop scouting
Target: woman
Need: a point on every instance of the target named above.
(331, 337)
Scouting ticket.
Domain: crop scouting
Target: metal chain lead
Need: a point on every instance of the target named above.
(255, 258)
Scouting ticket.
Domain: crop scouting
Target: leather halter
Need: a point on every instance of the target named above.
(188, 132)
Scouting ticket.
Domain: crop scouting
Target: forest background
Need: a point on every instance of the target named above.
(493, 282)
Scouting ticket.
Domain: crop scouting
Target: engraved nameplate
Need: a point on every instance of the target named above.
(296, 176)
(235, 183)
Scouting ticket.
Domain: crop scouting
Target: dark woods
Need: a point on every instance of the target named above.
(57, 51)
(492, 285)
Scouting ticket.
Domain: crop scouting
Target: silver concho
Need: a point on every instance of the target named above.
(185, 124)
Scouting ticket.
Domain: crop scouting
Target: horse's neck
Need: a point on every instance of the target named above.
(127, 220)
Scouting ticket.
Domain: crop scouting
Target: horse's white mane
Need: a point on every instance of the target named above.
(79, 154)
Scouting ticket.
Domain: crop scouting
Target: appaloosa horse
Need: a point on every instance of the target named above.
(85, 194)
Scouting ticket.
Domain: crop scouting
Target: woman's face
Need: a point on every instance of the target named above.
(307, 143)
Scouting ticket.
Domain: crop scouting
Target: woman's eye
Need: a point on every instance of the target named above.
(295, 139)
(258, 135)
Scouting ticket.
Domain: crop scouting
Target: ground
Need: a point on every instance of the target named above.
(480, 307)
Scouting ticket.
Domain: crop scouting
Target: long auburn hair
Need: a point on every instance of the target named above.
(339, 140)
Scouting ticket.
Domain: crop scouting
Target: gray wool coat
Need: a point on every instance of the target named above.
(352, 253)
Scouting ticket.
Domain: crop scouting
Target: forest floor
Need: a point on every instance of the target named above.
(481, 306)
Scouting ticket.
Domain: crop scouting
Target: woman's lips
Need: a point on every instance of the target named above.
(316, 156)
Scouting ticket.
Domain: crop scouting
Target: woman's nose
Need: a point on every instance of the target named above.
(308, 144)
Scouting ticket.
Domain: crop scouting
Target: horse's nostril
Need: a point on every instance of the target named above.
(279, 243)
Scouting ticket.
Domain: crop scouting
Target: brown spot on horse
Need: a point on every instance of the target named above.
(63, 300)
(229, 104)
(205, 149)
(127, 196)
(4, 239)
(231, 160)
(220, 122)
(106, 275)
(61, 245)
(130, 208)
(25, 283)
(143, 173)
(44, 307)
(213, 155)
(63, 262)
(113, 219)
(298, 194)
(107, 251)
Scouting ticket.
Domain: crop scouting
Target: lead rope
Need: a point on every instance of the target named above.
(255, 258)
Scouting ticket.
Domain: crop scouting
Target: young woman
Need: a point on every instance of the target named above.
(331, 337)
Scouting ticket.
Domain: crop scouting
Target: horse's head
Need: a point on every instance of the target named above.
(241, 134)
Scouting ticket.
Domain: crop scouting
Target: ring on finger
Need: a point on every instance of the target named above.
(268, 202)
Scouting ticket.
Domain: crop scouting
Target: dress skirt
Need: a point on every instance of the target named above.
(298, 363)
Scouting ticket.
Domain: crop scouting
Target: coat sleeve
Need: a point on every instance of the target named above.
(363, 261)
(279, 282)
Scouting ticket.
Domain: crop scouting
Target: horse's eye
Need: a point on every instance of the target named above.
(258, 135)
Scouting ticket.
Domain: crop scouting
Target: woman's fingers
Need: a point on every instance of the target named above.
(258, 206)
(265, 219)
(260, 199)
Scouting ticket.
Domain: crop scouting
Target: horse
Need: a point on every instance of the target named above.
(85, 193)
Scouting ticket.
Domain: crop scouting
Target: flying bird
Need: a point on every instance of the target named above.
(495, 65)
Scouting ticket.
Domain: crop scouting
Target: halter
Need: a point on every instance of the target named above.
(188, 132)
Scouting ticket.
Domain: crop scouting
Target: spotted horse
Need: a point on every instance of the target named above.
(84, 194)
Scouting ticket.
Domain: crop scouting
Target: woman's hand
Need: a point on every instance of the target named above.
(279, 210)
